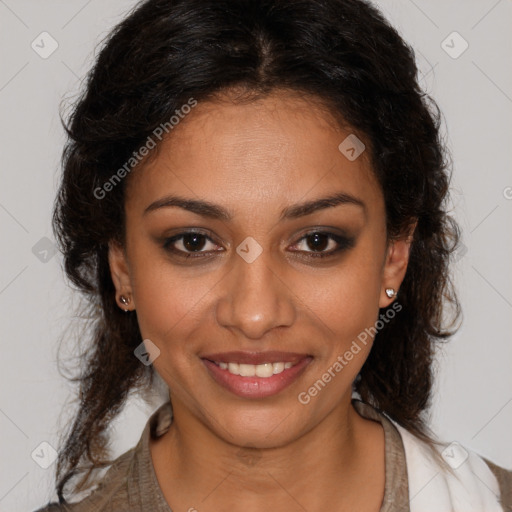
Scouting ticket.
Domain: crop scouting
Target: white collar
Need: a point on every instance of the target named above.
(471, 488)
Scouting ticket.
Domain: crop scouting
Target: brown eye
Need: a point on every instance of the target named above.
(318, 241)
(193, 241)
(186, 244)
(319, 244)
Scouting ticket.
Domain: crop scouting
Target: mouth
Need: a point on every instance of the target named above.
(256, 374)
(264, 370)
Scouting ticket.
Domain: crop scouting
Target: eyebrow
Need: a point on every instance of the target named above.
(214, 211)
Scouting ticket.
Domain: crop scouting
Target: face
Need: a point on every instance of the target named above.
(229, 247)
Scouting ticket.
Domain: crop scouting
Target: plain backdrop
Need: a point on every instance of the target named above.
(473, 86)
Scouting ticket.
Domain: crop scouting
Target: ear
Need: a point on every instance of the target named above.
(119, 271)
(395, 266)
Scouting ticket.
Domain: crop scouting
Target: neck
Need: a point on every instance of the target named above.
(337, 455)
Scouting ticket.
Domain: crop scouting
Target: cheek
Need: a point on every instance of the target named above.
(168, 302)
(172, 301)
(169, 312)
(347, 299)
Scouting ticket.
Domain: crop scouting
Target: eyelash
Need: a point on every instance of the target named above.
(344, 243)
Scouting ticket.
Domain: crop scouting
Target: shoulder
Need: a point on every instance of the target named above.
(109, 495)
(458, 478)
(128, 476)
(504, 478)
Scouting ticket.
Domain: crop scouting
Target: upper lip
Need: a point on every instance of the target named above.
(272, 356)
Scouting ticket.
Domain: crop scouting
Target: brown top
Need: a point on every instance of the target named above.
(131, 485)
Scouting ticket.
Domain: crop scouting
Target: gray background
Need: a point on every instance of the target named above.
(472, 403)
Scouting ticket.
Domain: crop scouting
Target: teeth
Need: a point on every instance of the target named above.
(254, 370)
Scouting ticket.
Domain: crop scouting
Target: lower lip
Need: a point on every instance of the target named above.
(256, 387)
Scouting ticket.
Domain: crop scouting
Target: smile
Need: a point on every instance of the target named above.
(256, 380)
(264, 370)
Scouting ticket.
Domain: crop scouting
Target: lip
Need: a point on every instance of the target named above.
(256, 387)
(271, 356)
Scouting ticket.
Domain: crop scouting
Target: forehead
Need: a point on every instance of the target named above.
(278, 148)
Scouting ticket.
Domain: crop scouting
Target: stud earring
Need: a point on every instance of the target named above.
(124, 300)
(390, 292)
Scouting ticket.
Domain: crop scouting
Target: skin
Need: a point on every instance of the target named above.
(254, 159)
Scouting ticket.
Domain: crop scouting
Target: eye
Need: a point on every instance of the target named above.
(186, 244)
(321, 244)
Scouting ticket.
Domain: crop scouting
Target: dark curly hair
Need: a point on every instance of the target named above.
(340, 52)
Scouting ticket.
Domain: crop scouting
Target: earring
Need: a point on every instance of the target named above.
(124, 300)
(390, 292)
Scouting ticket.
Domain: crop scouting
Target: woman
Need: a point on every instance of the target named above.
(253, 204)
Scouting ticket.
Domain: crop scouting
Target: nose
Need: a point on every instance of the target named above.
(255, 298)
